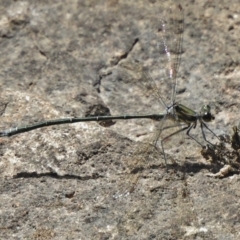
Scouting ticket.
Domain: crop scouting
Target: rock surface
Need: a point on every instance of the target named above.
(75, 181)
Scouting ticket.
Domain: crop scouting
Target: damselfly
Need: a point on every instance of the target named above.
(179, 114)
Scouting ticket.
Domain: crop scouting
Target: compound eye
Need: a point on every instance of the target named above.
(206, 114)
(208, 117)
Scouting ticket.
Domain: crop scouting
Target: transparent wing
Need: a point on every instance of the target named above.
(169, 137)
(150, 70)
(171, 36)
(154, 81)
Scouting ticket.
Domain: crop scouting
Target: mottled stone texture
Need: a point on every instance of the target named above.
(72, 181)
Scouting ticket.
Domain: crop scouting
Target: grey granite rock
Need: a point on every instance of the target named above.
(72, 181)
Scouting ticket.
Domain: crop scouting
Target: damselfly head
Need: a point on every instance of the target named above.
(206, 114)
